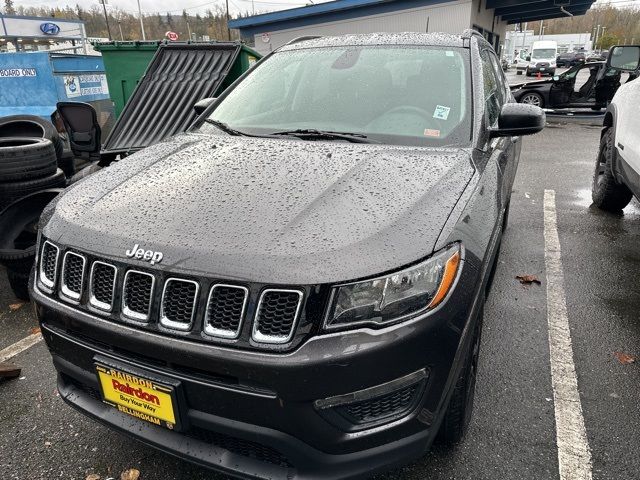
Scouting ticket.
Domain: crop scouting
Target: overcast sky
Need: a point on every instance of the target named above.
(173, 6)
(200, 6)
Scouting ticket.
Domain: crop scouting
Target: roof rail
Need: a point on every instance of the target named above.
(302, 39)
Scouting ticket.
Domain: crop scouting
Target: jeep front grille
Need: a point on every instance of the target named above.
(252, 315)
(48, 270)
(277, 314)
(137, 294)
(225, 310)
(72, 276)
(178, 303)
(102, 285)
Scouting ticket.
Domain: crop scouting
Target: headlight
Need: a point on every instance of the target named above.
(532, 64)
(394, 297)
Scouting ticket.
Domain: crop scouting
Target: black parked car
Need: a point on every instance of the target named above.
(562, 91)
(570, 59)
(295, 287)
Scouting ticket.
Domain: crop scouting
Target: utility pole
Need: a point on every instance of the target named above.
(603, 29)
(106, 17)
(141, 24)
(228, 29)
(120, 27)
(541, 30)
(595, 44)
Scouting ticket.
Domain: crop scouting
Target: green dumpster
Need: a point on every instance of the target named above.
(126, 62)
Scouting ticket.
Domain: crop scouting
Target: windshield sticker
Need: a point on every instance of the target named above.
(428, 132)
(441, 113)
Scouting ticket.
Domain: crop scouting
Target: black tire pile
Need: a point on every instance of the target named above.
(31, 153)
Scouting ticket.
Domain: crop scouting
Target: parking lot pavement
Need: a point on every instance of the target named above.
(513, 431)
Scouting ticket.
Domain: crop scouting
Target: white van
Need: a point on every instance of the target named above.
(542, 58)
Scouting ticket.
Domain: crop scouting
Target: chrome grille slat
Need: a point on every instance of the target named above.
(72, 281)
(276, 315)
(102, 285)
(178, 305)
(48, 269)
(225, 310)
(137, 295)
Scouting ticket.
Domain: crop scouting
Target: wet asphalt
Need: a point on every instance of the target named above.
(512, 435)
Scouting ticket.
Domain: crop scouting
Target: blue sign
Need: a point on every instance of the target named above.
(49, 28)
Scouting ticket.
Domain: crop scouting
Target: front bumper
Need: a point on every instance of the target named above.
(254, 414)
(543, 70)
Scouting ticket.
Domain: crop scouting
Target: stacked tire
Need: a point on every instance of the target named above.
(28, 166)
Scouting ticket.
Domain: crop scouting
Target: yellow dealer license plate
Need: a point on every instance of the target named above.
(137, 396)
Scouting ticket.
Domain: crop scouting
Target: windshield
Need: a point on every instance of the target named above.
(396, 95)
(544, 53)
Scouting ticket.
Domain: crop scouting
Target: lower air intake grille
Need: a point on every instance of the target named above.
(225, 309)
(137, 294)
(389, 405)
(239, 446)
(72, 275)
(48, 264)
(277, 314)
(178, 303)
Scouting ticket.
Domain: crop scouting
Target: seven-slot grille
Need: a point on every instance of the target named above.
(225, 309)
(277, 315)
(72, 275)
(137, 294)
(178, 303)
(48, 264)
(103, 285)
(128, 294)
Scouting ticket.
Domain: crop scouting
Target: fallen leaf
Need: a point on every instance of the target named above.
(131, 474)
(92, 476)
(34, 330)
(528, 279)
(624, 358)
(15, 306)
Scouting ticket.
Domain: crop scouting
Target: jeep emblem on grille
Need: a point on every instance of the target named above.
(146, 255)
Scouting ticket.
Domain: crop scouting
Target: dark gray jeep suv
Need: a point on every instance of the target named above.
(294, 288)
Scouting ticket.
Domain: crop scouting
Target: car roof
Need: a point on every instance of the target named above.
(369, 39)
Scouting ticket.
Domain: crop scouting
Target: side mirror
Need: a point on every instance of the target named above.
(519, 119)
(201, 105)
(624, 57)
(528, 58)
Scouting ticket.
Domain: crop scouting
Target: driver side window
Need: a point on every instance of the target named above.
(493, 97)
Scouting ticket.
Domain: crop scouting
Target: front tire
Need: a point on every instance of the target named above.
(458, 415)
(532, 98)
(606, 192)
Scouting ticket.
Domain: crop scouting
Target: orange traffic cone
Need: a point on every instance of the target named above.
(539, 75)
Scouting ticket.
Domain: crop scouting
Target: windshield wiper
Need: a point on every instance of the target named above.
(225, 128)
(326, 135)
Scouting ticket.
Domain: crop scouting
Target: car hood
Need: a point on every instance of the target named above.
(266, 210)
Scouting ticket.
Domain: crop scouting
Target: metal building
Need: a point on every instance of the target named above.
(490, 17)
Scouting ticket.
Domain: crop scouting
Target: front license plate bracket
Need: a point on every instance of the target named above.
(140, 393)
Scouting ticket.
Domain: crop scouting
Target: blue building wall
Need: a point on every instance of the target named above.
(32, 83)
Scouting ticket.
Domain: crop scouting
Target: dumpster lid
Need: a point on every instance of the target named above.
(177, 77)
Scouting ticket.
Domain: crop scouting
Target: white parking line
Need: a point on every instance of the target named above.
(20, 346)
(574, 455)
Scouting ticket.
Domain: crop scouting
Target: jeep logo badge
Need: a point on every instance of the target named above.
(146, 255)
